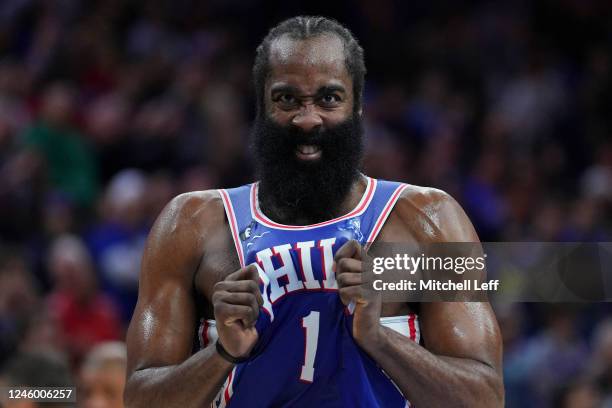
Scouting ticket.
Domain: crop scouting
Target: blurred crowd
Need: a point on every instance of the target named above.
(110, 108)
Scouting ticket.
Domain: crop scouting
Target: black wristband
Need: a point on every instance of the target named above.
(227, 356)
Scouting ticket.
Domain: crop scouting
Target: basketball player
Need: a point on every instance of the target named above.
(266, 277)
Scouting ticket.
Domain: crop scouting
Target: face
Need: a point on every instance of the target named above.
(308, 86)
(309, 140)
(102, 388)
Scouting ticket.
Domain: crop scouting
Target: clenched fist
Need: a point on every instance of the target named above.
(236, 301)
(351, 287)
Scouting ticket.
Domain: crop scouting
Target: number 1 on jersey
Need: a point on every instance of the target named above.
(310, 323)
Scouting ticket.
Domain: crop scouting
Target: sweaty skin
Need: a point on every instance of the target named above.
(190, 264)
(462, 355)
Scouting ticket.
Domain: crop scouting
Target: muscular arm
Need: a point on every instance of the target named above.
(161, 371)
(460, 364)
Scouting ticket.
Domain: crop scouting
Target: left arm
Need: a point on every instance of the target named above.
(460, 364)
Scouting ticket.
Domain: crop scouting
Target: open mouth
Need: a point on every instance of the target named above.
(308, 152)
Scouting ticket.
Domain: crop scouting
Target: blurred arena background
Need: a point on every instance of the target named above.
(110, 108)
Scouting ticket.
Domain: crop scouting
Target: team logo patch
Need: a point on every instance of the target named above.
(247, 232)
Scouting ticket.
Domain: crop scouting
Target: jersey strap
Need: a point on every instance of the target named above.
(236, 204)
(386, 195)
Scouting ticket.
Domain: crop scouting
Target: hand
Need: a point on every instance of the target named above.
(368, 304)
(236, 301)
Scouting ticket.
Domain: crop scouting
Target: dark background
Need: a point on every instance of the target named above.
(110, 108)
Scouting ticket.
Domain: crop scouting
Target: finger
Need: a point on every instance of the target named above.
(248, 286)
(252, 273)
(241, 298)
(350, 294)
(246, 273)
(350, 249)
(348, 265)
(349, 279)
(238, 298)
(228, 314)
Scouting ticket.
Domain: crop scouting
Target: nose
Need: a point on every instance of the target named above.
(307, 119)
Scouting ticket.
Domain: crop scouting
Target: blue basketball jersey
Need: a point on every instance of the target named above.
(306, 355)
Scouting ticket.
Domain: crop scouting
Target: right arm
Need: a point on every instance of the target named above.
(161, 371)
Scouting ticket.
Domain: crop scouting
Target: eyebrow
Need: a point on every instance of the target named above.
(330, 89)
(325, 89)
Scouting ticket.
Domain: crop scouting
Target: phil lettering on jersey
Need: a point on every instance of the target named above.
(278, 270)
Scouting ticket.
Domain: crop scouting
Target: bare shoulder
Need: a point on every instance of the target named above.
(192, 205)
(178, 237)
(429, 214)
(196, 211)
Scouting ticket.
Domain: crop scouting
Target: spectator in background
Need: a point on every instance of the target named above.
(35, 370)
(19, 299)
(40, 332)
(106, 122)
(549, 222)
(585, 223)
(70, 163)
(85, 315)
(554, 356)
(117, 240)
(482, 196)
(531, 102)
(596, 181)
(577, 394)
(18, 170)
(102, 377)
(25, 325)
(601, 361)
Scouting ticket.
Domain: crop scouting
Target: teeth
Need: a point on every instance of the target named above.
(307, 149)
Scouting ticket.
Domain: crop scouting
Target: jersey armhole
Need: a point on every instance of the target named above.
(382, 218)
(233, 224)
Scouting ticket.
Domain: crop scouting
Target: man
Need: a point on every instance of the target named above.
(260, 261)
(102, 376)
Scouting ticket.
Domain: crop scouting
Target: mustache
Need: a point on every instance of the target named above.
(284, 139)
(294, 136)
(300, 137)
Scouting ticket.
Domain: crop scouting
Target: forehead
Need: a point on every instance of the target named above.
(309, 63)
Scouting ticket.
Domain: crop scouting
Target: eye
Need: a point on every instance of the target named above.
(286, 99)
(330, 99)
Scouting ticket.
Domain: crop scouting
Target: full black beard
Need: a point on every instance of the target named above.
(291, 189)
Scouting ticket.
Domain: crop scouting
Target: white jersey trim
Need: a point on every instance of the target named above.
(382, 218)
(233, 224)
(361, 207)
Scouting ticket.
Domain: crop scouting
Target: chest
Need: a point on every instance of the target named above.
(290, 263)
